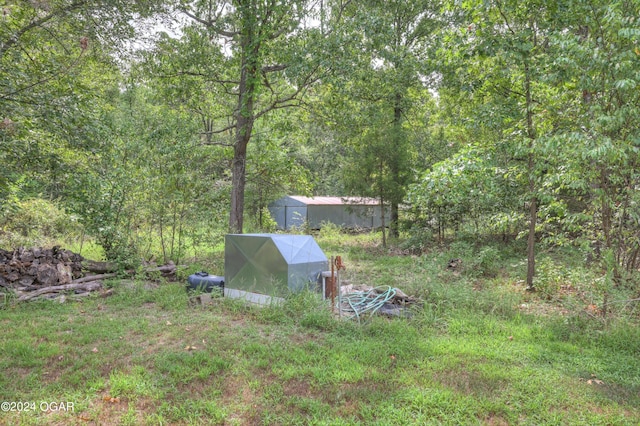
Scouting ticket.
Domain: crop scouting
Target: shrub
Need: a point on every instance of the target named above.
(37, 221)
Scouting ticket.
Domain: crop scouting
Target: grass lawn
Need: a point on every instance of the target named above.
(480, 351)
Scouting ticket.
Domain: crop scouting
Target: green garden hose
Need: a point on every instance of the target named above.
(370, 301)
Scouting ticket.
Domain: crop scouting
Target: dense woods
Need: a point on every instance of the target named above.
(152, 131)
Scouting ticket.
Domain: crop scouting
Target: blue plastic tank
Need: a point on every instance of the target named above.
(202, 281)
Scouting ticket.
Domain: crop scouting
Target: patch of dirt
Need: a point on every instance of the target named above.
(19, 373)
(347, 398)
(494, 420)
(469, 382)
(54, 369)
(542, 309)
(296, 387)
(303, 338)
(237, 393)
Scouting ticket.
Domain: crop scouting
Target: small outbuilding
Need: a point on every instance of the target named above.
(348, 212)
(261, 267)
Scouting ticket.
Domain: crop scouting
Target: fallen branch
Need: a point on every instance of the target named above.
(93, 278)
(112, 268)
(86, 287)
(99, 267)
(104, 293)
(166, 268)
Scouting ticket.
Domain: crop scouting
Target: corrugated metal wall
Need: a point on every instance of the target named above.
(289, 212)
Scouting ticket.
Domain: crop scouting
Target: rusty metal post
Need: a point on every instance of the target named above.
(338, 265)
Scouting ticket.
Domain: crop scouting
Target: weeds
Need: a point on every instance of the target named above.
(470, 354)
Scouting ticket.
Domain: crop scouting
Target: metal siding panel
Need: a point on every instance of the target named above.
(377, 218)
(359, 216)
(253, 264)
(352, 216)
(377, 223)
(341, 215)
(271, 264)
(278, 215)
(295, 216)
(317, 214)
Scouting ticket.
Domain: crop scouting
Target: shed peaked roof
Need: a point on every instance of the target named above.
(317, 201)
(301, 249)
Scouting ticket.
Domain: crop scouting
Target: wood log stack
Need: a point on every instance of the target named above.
(50, 273)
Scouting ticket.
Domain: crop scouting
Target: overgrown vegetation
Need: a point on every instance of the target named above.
(501, 134)
(509, 118)
(479, 350)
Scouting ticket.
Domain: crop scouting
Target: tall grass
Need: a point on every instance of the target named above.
(477, 350)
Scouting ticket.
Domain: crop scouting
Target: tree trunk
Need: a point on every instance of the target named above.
(395, 164)
(238, 181)
(244, 116)
(531, 241)
(606, 209)
(394, 229)
(533, 201)
(382, 222)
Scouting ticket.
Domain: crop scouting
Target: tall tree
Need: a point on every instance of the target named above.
(263, 57)
(601, 56)
(509, 41)
(397, 41)
(53, 56)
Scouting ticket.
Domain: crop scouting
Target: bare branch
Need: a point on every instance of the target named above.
(274, 68)
(60, 73)
(214, 143)
(504, 17)
(207, 77)
(210, 24)
(293, 99)
(341, 10)
(505, 91)
(217, 132)
(57, 39)
(37, 23)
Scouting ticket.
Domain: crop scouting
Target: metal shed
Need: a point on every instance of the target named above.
(348, 212)
(260, 267)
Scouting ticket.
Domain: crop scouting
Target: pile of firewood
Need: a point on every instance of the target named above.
(50, 273)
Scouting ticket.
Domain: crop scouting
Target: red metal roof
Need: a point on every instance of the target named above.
(316, 201)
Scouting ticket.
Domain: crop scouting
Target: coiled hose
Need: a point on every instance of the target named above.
(362, 302)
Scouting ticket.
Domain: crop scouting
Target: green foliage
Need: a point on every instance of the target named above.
(275, 166)
(469, 186)
(131, 385)
(550, 277)
(305, 308)
(476, 260)
(38, 222)
(331, 233)
(419, 238)
(476, 351)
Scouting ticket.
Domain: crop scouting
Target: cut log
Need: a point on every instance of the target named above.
(64, 273)
(102, 293)
(44, 273)
(47, 274)
(26, 280)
